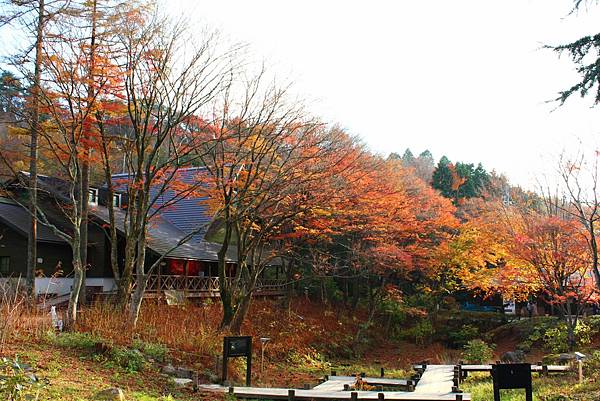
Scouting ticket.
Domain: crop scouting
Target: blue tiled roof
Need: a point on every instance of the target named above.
(186, 214)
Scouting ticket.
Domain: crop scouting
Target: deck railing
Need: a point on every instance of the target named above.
(205, 286)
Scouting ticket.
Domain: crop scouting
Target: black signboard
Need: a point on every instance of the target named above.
(237, 347)
(511, 376)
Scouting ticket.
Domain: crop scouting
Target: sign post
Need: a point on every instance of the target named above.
(234, 347)
(512, 375)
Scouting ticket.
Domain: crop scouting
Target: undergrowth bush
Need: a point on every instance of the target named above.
(556, 338)
(421, 333)
(478, 351)
(461, 337)
(309, 361)
(17, 382)
(155, 351)
(132, 360)
(73, 339)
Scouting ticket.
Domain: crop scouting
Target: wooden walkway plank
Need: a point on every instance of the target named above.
(437, 379)
(534, 368)
(282, 393)
(373, 381)
(335, 383)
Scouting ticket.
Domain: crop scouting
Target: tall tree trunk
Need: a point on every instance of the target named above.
(77, 278)
(141, 280)
(594, 246)
(114, 239)
(85, 170)
(240, 314)
(33, 153)
(224, 287)
(289, 290)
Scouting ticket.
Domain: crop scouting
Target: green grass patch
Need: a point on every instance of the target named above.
(550, 388)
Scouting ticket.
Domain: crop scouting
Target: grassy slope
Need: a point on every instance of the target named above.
(556, 387)
(306, 344)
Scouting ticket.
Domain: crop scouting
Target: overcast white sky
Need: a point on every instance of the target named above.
(464, 78)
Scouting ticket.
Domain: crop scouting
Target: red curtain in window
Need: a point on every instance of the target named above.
(176, 267)
(193, 267)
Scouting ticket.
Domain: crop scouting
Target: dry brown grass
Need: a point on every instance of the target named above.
(192, 331)
(18, 317)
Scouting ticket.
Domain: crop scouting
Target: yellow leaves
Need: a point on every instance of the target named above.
(17, 131)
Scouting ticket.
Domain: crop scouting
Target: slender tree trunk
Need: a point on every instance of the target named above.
(594, 246)
(289, 293)
(114, 239)
(240, 313)
(85, 170)
(33, 153)
(141, 280)
(224, 287)
(77, 278)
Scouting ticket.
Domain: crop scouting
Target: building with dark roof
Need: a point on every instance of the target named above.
(191, 266)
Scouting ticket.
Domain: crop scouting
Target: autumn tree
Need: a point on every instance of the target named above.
(266, 168)
(33, 16)
(372, 236)
(579, 197)
(558, 257)
(170, 80)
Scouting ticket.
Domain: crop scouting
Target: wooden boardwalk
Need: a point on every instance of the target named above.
(284, 394)
(435, 385)
(337, 383)
(534, 368)
(437, 379)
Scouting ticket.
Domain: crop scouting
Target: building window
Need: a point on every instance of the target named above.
(117, 200)
(4, 265)
(93, 196)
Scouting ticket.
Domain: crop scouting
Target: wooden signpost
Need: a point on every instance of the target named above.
(234, 347)
(512, 375)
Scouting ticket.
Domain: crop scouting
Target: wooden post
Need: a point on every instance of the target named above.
(380, 396)
(185, 271)
(580, 370)
(459, 397)
(291, 395)
(333, 373)
(195, 380)
(159, 288)
(346, 387)
(545, 370)
(411, 385)
(353, 396)
(382, 372)
(230, 390)
(306, 386)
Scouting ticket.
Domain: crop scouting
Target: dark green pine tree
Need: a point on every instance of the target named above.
(11, 93)
(442, 178)
(585, 53)
(408, 158)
